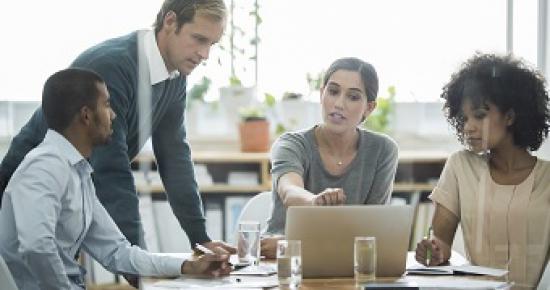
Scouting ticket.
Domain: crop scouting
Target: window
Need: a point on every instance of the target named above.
(415, 45)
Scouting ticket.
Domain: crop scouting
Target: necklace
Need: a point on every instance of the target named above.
(339, 160)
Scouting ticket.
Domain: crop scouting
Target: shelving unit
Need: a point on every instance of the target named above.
(225, 197)
(219, 164)
(416, 176)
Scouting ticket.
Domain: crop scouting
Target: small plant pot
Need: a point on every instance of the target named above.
(254, 135)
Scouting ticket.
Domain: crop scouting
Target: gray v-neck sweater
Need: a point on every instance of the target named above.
(368, 179)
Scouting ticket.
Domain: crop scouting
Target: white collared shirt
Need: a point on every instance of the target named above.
(157, 67)
(50, 210)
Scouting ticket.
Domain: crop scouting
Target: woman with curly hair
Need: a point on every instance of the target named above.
(496, 189)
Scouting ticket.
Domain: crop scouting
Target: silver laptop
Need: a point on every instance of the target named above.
(327, 235)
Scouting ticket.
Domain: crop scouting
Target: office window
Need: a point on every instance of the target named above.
(415, 45)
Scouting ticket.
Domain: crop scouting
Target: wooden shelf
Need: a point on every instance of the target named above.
(224, 161)
(209, 189)
(419, 157)
(239, 157)
(412, 187)
(224, 188)
(216, 157)
(411, 163)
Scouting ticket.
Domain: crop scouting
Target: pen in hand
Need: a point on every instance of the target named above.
(203, 249)
(207, 251)
(429, 249)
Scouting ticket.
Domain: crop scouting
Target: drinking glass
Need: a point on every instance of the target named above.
(248, 243)
(289, 263)
(364, 261)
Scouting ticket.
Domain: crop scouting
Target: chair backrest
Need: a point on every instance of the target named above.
(258, 208)
(6, 279)
(544, 283)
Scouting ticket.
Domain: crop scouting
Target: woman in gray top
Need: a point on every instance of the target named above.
(335, 162)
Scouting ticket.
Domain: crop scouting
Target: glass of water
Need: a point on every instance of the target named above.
(289, 263)
(364, 261)
(248, 243)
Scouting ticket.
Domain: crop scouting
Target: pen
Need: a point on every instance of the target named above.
(207, 251)
(429, 250)
(204, 249)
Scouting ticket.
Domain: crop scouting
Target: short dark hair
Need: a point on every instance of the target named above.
(186, 10)
(366, 71)
(66, 92)
(510, 84)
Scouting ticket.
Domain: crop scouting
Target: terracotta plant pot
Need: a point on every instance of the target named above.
(254, 136)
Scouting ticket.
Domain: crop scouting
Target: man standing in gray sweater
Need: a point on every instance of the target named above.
(183, 34)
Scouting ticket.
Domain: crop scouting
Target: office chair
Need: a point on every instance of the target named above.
(6, 279)
(258, 208)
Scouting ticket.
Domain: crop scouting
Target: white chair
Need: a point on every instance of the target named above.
(544, 283)
(258, 208)
(6, 279)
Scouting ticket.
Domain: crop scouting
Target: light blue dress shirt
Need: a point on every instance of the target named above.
(50, 210)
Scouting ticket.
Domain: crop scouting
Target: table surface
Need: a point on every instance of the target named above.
(349, 283)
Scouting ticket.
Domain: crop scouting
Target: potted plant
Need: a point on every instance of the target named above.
(380, 119)
(253, 129)
(198, 91)
(270, 103)
(242, 50)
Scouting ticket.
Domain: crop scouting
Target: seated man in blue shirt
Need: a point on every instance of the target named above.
(50, 210)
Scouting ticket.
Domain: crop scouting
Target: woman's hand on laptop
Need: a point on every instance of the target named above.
(330, 196)
(432, 252)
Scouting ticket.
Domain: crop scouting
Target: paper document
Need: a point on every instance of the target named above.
(429, 271)
(451, 270)
(479, 270)
(218, 283)
(439, 283)
(260, 270)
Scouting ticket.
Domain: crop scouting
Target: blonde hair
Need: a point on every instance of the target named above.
(186, 10)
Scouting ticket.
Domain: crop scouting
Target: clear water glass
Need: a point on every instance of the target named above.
(248, 243)
(364, 262)
(289, 263)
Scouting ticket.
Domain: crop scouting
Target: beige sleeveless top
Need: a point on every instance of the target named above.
(504, 226)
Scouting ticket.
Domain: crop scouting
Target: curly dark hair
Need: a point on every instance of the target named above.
(509, 84)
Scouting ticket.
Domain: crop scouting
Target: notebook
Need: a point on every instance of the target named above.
(328, 233)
